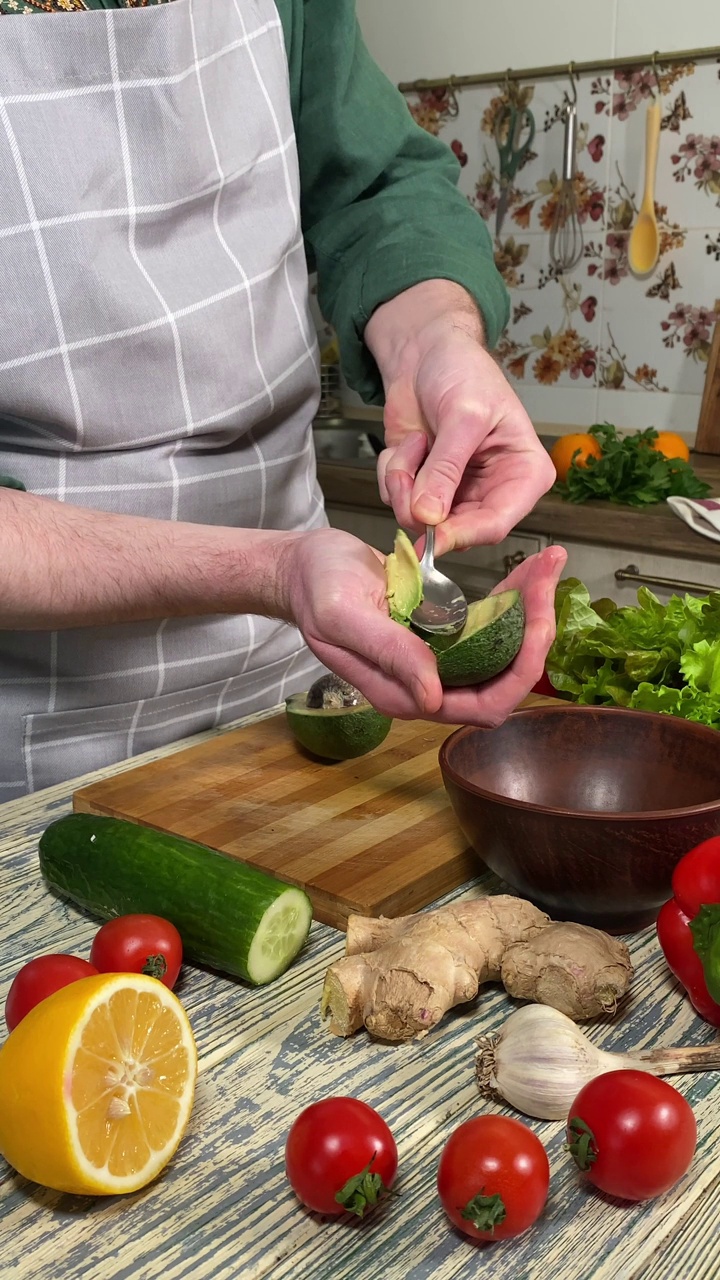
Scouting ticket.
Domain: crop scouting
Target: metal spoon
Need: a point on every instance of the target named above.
(444, 608)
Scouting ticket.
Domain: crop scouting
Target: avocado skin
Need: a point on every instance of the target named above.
(478, 655)
(336, 733)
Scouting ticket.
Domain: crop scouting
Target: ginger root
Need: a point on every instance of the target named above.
(399, 977)
(578, 970)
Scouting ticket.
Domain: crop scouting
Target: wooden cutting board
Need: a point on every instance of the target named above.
(375, 835)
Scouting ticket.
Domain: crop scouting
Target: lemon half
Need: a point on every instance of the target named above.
(97, 1085)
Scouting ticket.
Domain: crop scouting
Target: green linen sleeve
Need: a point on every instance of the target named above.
(380, 206)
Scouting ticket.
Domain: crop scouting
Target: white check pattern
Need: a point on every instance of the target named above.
(158, 355)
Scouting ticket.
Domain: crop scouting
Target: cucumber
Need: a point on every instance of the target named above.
(230, 916)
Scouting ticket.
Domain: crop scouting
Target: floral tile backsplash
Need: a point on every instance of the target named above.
(599, 329)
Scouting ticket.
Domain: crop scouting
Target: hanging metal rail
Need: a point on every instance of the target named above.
(562, 69)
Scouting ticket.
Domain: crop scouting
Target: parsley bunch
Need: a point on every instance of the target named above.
(630, 472)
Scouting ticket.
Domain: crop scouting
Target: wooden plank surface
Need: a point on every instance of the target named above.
(375, 835)
(223, 1210)
(657, 529)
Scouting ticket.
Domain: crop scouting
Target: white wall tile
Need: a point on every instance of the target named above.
(644, 25)
(636, 410)
(414, 38)
(619, 318)
(574, 407)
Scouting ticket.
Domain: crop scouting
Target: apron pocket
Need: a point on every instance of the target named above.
(61, 745)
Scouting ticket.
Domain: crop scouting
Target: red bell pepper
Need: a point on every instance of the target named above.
(688, 927)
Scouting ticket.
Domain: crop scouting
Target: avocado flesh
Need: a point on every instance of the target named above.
(487, 644)
(404, 590)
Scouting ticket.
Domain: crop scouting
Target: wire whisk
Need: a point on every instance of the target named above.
(566, 236)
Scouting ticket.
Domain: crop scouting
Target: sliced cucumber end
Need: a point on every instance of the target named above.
(280, 935)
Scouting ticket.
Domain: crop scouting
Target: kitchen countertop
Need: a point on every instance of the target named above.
(223, 1210)
(657, 531)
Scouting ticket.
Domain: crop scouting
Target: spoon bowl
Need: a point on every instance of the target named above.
(644, 243)
(644, 246)
(443, 609)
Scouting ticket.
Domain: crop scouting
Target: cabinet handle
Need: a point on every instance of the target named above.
(511, 562)
(632, 574)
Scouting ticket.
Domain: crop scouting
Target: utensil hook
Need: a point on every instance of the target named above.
(453, 107)
(507, 83)
(653, 63)
(573, 84)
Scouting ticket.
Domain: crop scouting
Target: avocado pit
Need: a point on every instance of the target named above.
(330, 691)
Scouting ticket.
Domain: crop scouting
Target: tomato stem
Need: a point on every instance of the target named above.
(485, 1212)
(155, 966)
(362, 1192)
(583, 1147)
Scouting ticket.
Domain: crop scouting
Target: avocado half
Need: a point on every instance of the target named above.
(487, 644)
(492, 635)
(335, 721)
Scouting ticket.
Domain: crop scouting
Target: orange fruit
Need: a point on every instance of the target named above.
(563, 450)
(671, 445)
(97, 1085)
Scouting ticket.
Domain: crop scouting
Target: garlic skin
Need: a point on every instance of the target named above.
(540, 1061)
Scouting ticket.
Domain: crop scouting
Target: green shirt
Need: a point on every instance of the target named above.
(380, 206)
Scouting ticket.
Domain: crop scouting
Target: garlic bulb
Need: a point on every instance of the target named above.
(541, 1059)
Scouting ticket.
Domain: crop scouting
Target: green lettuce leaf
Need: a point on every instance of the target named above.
(701, 666)
(652, 656)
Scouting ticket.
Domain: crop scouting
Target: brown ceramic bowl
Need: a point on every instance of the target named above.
(586, 810)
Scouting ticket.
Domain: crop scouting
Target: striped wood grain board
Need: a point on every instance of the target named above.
(375, 835)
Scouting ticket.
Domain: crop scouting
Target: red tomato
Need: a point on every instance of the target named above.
(39, 979)
(493, 1177)
(633, 1135)
(340, 1156)
(138, 944)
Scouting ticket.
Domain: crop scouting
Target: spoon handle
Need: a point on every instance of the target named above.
(428, 555)
(652, 142)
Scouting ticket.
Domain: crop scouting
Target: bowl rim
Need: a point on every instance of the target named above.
(565, 708)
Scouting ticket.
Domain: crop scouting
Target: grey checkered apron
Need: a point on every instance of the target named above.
(157, 355)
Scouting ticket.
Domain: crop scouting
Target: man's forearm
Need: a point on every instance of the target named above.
(64, 566)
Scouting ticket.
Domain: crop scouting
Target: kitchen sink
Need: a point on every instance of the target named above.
(341, 440)
(346, 439)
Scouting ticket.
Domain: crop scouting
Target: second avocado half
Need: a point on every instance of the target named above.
(490, 639)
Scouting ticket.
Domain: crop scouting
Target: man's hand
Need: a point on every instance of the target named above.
(461, 451)
(334, 590)
(462, 454)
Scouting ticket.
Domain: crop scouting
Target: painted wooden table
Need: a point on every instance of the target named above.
(223, 1210)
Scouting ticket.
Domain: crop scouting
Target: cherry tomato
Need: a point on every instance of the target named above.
(40, 978)
(138, 944)
(340, 1156)
(493, 1177)
(632, 1135)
